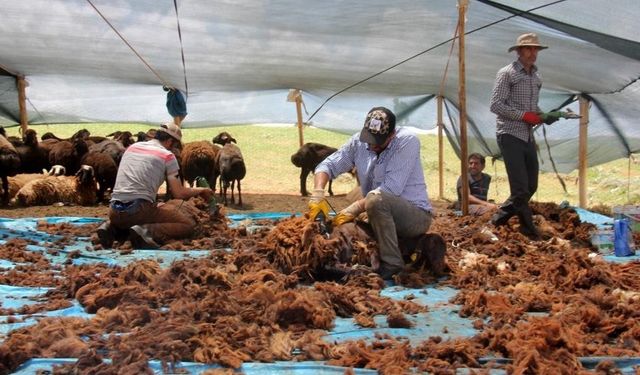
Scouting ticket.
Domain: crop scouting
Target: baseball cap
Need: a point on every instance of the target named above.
(172, 129)
(378, 126)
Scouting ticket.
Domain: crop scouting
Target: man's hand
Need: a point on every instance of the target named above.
(350, 213)
(205, 193)
(550, 117)
(318, 204)
(532, 118)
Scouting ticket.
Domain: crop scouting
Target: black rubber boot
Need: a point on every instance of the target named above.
(141, 239)
(527, 227)
(106, 235)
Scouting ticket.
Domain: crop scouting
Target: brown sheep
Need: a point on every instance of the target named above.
(307, 158)
(68, 154)
(18, 181)
(34, 156)
(232, 169)
(80, 189)
(9, 165)
(115, 149)
(80, 134)
(223, 138)
(199, 159)
(105, 170)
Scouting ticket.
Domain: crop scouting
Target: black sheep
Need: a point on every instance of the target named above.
(34, 156)
(232, 169)
(308, 157)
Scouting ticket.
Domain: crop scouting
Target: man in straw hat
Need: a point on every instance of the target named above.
(391, 177)
(515, 102)
(134, 211)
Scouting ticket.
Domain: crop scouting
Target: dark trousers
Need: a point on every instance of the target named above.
(521, 163)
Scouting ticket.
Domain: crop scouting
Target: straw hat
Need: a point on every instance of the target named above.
(527, 40)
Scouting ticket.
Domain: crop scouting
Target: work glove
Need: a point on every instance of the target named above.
(318, 204)
(551, 117)
(350, 213)
(532, 118)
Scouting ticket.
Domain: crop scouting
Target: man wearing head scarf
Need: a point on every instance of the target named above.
(389, 168)
(134, 211)
(515, 102)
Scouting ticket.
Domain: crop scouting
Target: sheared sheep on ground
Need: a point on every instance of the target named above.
(18, 181)
(80, 189)
(307, 158)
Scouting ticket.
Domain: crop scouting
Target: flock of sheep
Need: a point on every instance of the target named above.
(82, 168)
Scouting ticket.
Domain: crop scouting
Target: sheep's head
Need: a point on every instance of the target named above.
(56, 170)
(296, 159)
(80, 146)
(30, 137)
(81, 134)
(85, 175)
(223, 138)
(126, 138)
(49, 135)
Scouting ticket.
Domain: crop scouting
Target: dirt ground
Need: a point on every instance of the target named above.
(251, 203)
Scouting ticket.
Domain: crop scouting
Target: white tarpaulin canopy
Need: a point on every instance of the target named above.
(107, 60)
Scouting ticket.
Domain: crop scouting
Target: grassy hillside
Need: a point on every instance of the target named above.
(267, 151)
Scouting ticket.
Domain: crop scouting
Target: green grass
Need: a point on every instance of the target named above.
(267, 152)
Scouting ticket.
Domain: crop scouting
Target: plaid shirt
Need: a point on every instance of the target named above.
(515, 92)
(397, 170)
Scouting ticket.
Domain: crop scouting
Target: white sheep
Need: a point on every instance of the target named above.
(80, 189)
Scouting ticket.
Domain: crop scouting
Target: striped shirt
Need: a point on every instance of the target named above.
(143, 168)
(515, 92)
(397, 170)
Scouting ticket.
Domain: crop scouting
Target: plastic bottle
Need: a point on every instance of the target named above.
(621, 236)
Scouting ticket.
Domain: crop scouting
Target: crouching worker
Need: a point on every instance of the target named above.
(389, 169)
(478, 187)
(134, 211)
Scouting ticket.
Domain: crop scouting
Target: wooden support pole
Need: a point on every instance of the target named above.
(440, 150)
(295, 95)
(299, 113)
(464, 204)
(21, 85)
(582, 152)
